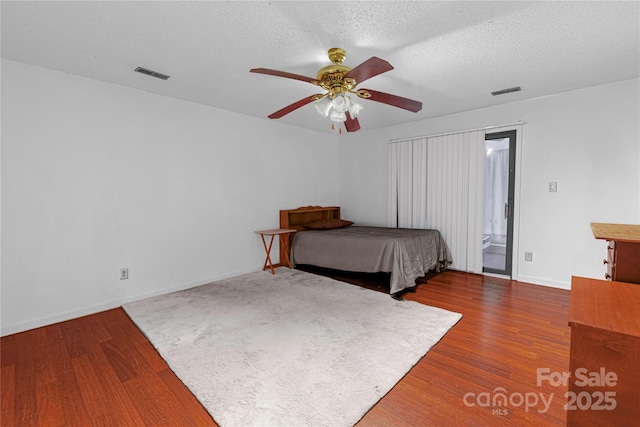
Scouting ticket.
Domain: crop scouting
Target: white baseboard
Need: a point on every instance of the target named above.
(73, 314)
(529, 279)
(544, 282)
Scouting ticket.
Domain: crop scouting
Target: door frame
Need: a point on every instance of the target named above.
(511, 200)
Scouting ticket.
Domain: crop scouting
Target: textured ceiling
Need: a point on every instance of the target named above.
(449, 55)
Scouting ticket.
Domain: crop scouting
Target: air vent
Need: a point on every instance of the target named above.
(503, 91)
(152, 73)
(509, 90)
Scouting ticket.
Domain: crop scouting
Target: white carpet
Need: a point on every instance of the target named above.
(290, 349)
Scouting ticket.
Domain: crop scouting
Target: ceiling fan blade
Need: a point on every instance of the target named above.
(369, 68)
(395, 100)
(289, 108)
(284, 74)
(351, 124)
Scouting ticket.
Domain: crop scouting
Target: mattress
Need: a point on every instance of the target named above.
(405, 253)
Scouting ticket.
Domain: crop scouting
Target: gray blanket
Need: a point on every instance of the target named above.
(405, 253)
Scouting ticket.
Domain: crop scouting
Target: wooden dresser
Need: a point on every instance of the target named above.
(605, 343)
(623, 253)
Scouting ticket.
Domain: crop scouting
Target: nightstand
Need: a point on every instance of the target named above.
(283, 234)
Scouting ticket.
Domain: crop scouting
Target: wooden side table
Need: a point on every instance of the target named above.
(283, 234)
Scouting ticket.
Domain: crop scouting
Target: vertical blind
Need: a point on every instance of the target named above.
(408, 181)
(437, 183)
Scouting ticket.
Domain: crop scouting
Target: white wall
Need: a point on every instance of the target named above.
(587, 140)
(96, 177)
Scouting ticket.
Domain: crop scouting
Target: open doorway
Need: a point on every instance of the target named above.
(497, 226)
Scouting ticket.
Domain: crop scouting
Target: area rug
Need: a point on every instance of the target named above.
(290, 349)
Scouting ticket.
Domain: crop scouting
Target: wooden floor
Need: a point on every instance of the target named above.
(101, 370)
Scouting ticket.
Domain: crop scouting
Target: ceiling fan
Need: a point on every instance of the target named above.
(339, 81)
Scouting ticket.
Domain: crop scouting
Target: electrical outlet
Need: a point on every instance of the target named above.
(553, 187)
(124, 273)
(528, 256)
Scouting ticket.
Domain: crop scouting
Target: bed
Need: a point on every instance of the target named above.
(326, 240)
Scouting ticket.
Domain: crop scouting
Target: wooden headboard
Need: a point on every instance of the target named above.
(295, 218)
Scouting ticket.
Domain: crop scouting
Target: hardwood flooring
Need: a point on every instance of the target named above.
(101, 370)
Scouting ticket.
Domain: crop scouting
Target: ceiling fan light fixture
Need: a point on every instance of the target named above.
(354, 109)
(323, 106)
(340, 103)
(337, 116)
(336, 108)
